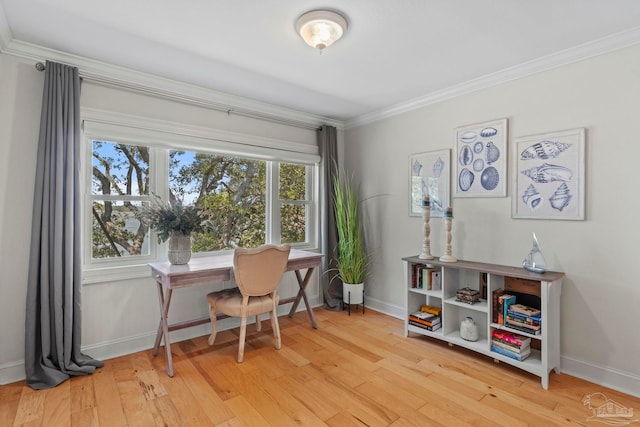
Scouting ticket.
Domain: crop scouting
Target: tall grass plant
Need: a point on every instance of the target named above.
(352, 257)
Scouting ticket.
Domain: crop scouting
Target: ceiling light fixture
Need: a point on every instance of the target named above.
(321, 28)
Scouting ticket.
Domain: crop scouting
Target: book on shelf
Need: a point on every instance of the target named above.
(431, 309)
(427, 278)
(494, 304)
(520, 357)
(483, 285)
(510, 337)
(436, 282)
(426, 319)
(519, 315)
(511, 347)
(435, 321)
(414, 275)
(526, 310)
(524, 329)
(501, 310)
(507, 301)
(428, 328)
(533, 322)
(423, 315)
(513, 321)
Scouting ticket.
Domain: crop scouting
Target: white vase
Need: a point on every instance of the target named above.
(179, 248)
(353, 293)
(469, 330)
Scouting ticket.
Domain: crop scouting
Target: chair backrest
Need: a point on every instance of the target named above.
(258, 271)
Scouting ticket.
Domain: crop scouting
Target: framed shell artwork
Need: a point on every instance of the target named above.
(549, 178)
(481, 160)
(429, 175)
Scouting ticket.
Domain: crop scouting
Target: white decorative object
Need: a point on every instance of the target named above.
(469, 329)
(353, 293)
(426, 242)
(448, 219)
(535, 261)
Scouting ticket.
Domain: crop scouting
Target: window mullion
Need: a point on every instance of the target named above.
(272, 221)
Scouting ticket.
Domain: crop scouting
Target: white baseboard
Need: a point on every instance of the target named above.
(384, 307)
(606, 377)
(11, 372)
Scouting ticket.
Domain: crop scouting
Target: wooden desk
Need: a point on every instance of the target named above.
(217, 269)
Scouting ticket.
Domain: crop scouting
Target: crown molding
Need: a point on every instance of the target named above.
(125, 78)
(587, 50)
(128, 79)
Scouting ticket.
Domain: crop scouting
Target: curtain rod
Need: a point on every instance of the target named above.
(40, 66)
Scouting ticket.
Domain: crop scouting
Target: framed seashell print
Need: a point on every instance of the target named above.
(481, 160)
(429, 175)
(549, 176)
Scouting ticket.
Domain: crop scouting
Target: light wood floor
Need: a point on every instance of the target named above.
(353, 371)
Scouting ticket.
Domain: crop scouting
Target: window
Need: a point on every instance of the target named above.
(119, 182)
(232, 191)
(249, 201)
(294, 202)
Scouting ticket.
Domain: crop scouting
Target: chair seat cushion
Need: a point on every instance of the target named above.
(229, 302)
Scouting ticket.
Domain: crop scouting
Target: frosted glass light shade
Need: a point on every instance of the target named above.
(321, 28)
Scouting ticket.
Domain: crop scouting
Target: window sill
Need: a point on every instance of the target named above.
(114, 274)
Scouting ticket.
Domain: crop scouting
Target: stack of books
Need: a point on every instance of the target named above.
(431, 309)
(426, 320)
(524, 318)
(424, 277)
(512, 345)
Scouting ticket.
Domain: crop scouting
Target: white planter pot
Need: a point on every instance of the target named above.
(353, 293)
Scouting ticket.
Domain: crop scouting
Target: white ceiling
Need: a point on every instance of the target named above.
(394, 52)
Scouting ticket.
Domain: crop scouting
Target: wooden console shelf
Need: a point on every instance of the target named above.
(544, 290)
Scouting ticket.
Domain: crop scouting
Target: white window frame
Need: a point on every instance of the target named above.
(161, 137)
(311, 235)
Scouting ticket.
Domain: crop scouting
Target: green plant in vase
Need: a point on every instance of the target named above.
(351, 257)
(173, 222)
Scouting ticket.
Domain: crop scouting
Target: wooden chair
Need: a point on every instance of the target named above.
(257, 273)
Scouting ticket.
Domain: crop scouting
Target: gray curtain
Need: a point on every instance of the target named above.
(331, 283)
(52, 327)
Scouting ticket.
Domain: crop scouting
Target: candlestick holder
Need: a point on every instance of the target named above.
(426, 242)
(448, 220)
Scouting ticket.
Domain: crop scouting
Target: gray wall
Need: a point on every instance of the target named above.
(601, 293)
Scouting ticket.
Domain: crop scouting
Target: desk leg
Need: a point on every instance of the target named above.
(163, 328)
(303, 295)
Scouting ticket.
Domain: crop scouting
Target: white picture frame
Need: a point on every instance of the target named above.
(430, 175)
(481, 159)
(549, 181)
